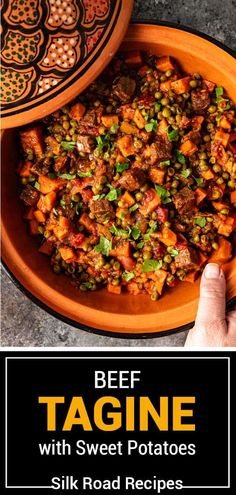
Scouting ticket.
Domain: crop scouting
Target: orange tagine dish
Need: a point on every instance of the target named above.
(132, 186)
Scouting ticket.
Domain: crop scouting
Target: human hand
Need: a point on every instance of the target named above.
(213, 327)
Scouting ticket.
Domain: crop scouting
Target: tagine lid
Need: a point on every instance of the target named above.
(52, 50)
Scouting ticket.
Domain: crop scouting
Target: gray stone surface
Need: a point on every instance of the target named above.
(23, 323)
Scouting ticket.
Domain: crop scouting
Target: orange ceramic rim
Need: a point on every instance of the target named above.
(84, 321)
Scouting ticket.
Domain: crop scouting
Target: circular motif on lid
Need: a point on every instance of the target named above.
(52, 49)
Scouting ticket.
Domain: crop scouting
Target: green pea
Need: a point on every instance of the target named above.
(168, 73)
(212, 109)
(165, 101)
(193, 83)
(166, 112)
(56, 268)
(167, 258)
(217, 168)
(147, 255)
(116, 265)
(154, 296)
(220, 180)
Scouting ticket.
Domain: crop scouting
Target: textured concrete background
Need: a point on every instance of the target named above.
(23, 323)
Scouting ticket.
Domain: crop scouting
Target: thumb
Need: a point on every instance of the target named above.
(212, 295)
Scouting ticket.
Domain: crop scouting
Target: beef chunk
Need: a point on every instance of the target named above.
(124, 88)
(184, 201)
(187, 258)
(60, 163)
(88, 123)
(102, 210)
(29, 195)
(200, 100)
(41, 167)
(132, 179)
(159, 150)
(85, 144)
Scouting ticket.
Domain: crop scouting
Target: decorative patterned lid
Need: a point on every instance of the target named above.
(52, 50)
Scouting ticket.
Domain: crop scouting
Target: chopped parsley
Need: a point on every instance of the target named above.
(128, 276)
(113, 194)
(151, 265)
(172, 134)
(135, 233)
(103, 142)
(133, 208)
(186, 173)
(201, 221)
(151, 126)
(85, 174)
(37, 186)
(119, 232)
(180, 157)
(98, 196)
(114, 128)
(219, 91)
(163, 194)
(104, 246)
(68, 145)
(172, 251)
(120, 167)
(199, 181)
(165, 162)
(67, 176)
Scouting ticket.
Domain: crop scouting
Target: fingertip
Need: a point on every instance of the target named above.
(213, 271)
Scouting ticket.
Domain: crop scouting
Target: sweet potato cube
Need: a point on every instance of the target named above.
(157, 175)
(225, 123)
(133, 58)
(200, 195)
(48, 185)
(168, 237)
(223, 253)
(139, 119)
(67, 254)
(208, 174)
(128, 128)
(114, 289)
(188, 148)
(125, 145)
(191, 277)
(165, 85)
(33, 227)
(77, 111)
(226, 228)
(127, 112)
(162, 127)
(25, 169)
(222, 137)
(47, 202)
(32, 139)
(87, 223)
(164, 63)
(47, 248)
(127, 199)
(40, 216)
(29, 213)
(181, 85)
(233, 197)
(109, 120)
